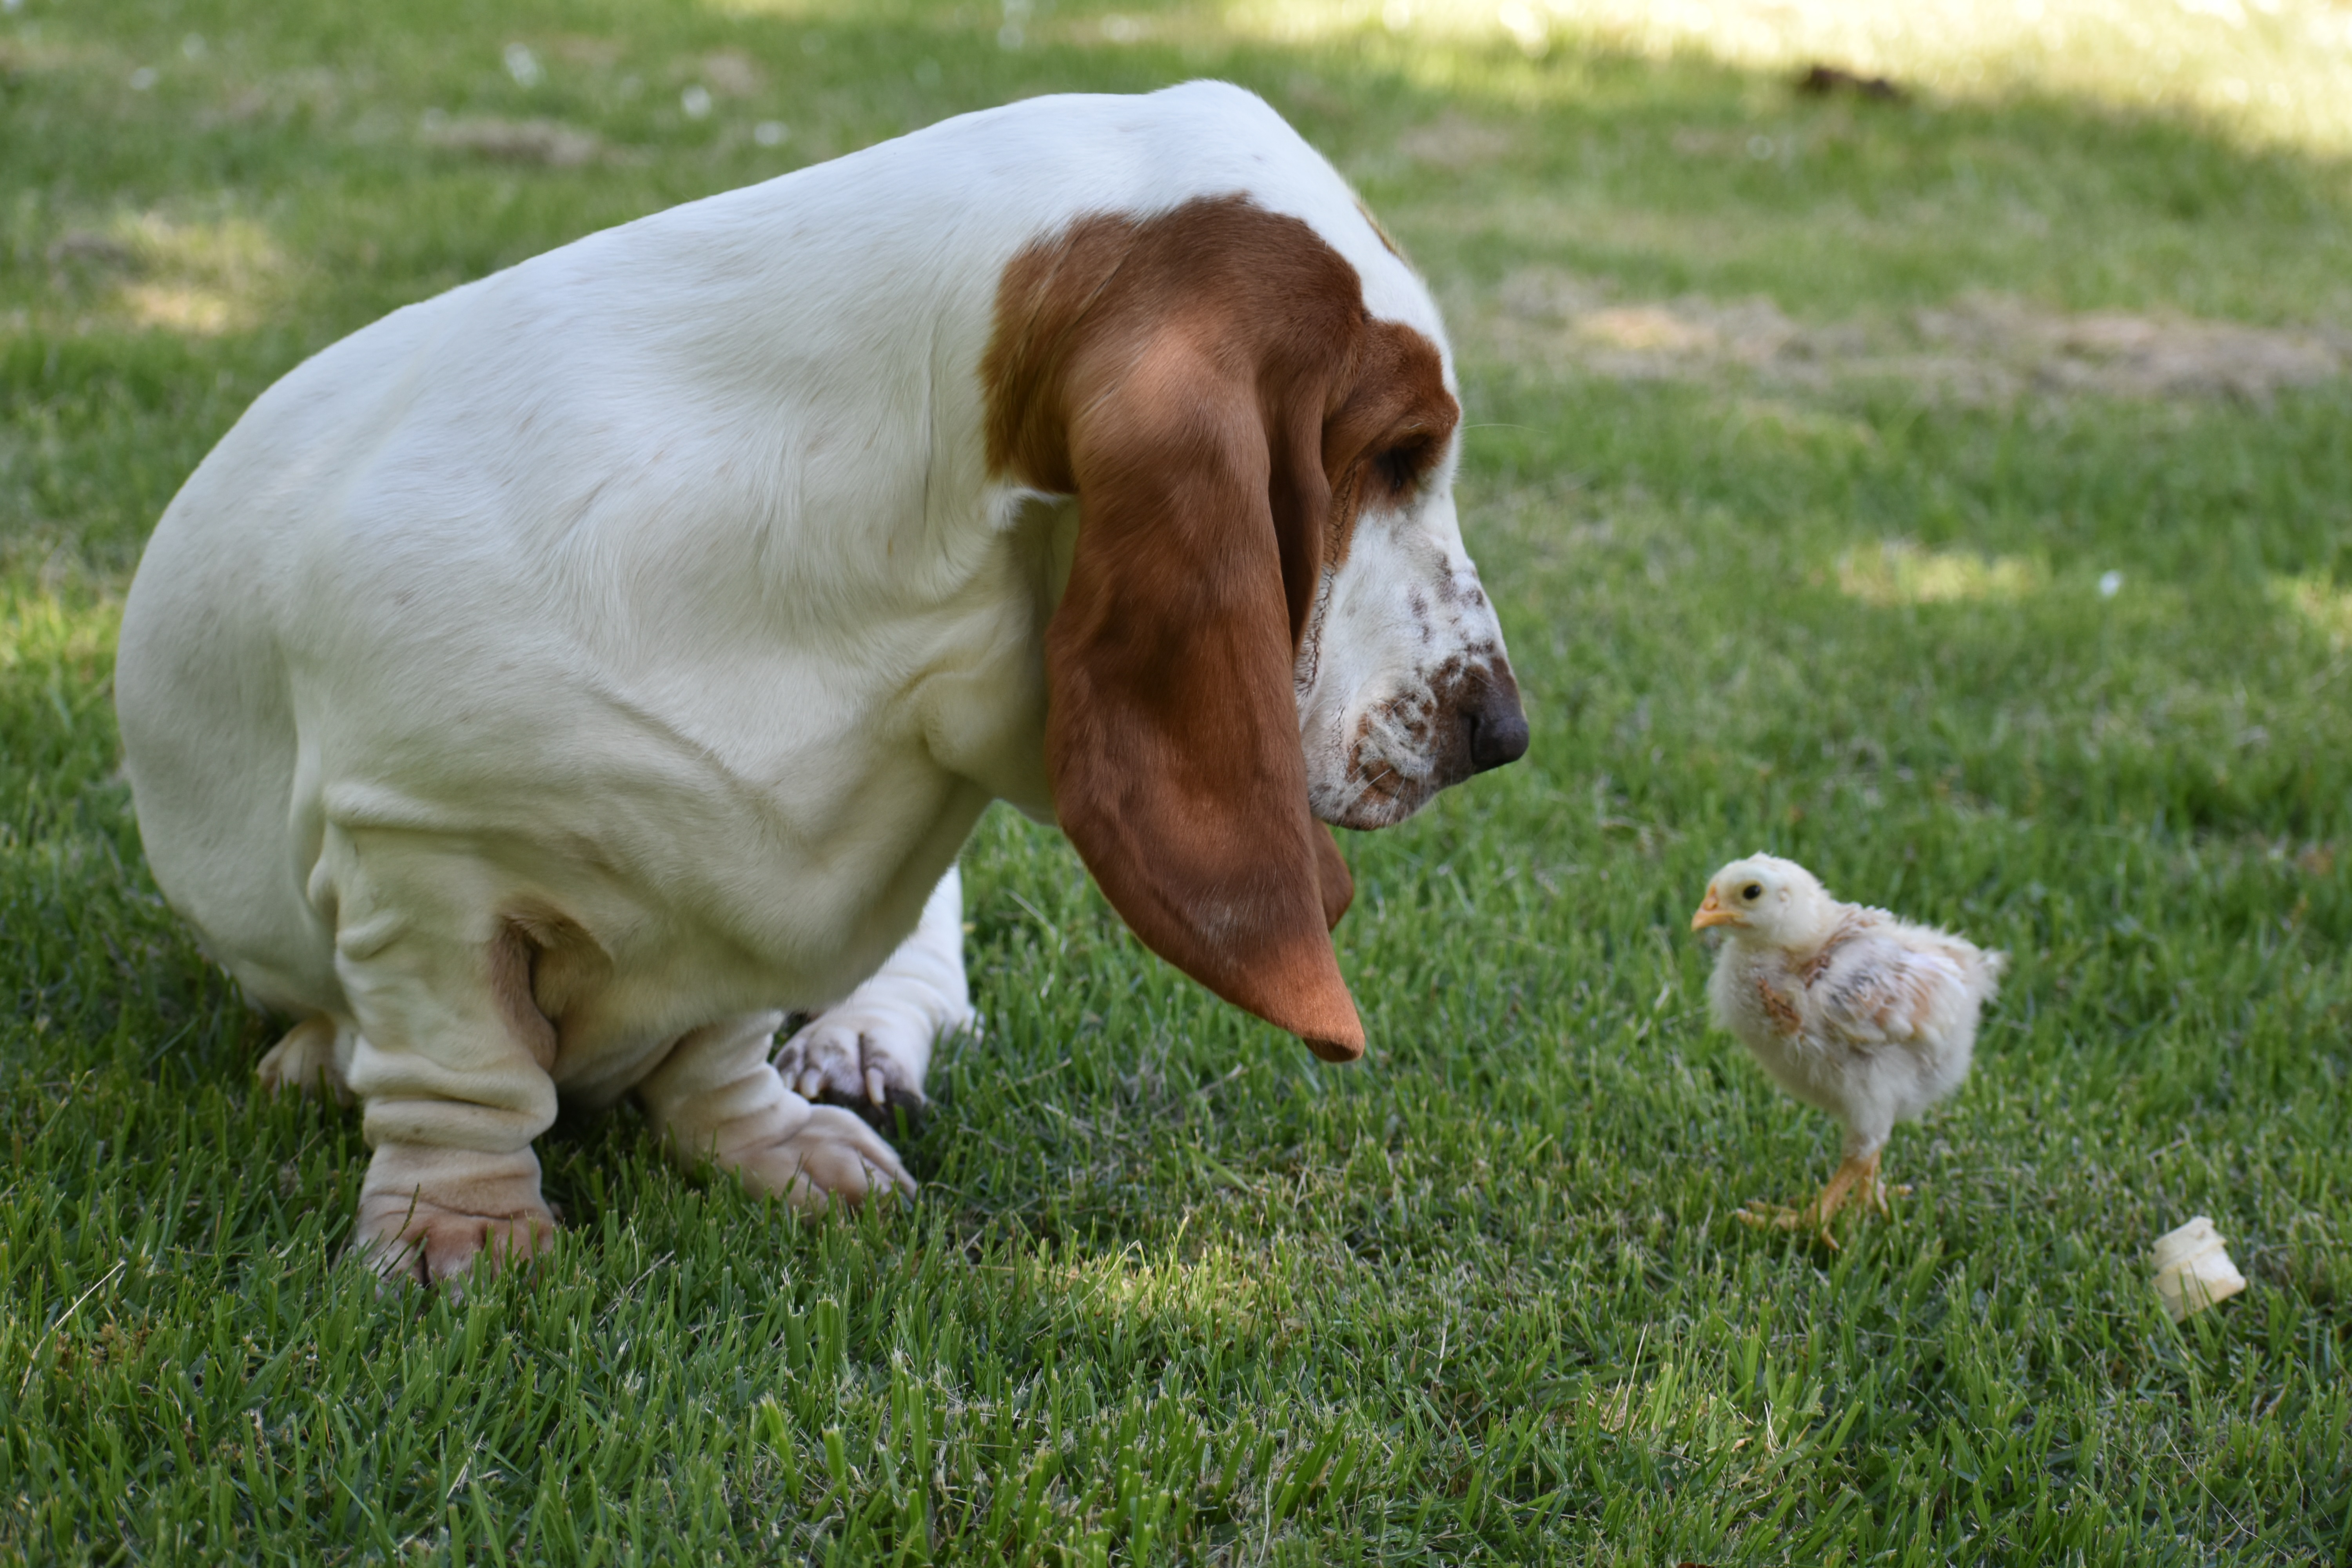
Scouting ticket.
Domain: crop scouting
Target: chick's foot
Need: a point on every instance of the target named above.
(1855, 1182)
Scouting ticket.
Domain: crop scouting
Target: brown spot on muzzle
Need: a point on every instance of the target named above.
(1461, 719)
(1473, 719)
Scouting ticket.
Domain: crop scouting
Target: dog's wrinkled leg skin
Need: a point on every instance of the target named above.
(484, 1213)
(451, 1058)
(870, 1052)
(716, 1100)
(304, 1062)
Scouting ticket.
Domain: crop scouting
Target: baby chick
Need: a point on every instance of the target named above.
(1869, 1018)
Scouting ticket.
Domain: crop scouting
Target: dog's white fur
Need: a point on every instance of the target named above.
(656, 592)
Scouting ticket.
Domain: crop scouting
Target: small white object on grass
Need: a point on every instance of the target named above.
(2193, 1268)
(1867, 1016)
(2110, 584)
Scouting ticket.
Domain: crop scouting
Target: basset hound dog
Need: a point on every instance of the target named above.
(544, 693)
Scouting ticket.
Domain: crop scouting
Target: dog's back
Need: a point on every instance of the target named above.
(694, 407)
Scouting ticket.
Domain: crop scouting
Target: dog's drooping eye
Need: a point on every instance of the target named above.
(1400, 466)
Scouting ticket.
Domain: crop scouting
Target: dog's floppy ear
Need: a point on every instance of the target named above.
(1176, 378)
(1339, 887)
(1171, 727)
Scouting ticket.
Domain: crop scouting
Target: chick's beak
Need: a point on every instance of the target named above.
(1713, 913)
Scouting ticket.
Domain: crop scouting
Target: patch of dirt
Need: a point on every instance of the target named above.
(585, 49)
(732, 73)
(1822, 80)
(1305, 92)
(1980, 349)
(2139, 356)
(547, 141)
(1451, 142)
(92, 250)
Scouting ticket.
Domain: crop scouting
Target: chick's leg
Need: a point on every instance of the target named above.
(1854, 1181)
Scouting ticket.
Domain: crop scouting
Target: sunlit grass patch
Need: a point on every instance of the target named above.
(1898, 572)
(57, 629)
(55, 611)
(2320, 602)
(2274, 71)
(199, 277)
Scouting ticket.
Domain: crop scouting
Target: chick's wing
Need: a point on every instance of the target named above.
(1873, 991)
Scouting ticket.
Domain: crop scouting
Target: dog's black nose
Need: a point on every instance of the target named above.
(1498, 727)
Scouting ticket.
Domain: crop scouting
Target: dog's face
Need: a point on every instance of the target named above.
(1403, 688)
(1403, 685)
(1269, 618)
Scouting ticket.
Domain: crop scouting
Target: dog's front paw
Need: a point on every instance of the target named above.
(830, 1157)
(430, 1215)
(857, 1061)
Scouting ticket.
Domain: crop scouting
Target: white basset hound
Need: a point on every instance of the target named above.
(547, 689)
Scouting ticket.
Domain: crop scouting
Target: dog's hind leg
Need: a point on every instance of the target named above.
(452, 1058)
(305, 1062)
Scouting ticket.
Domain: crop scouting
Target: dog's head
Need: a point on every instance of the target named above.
(1269, 618)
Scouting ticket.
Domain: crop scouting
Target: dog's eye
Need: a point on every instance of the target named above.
(1400, 466)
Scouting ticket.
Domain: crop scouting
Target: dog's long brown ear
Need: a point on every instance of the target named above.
(1172, 726)
(1338, 886)
(1176, 373)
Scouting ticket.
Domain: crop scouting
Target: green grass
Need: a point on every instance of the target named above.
(1174, 1291)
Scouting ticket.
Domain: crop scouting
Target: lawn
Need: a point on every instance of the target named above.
(1951, 491)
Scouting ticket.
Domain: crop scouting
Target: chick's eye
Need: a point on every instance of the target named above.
(1752, 892)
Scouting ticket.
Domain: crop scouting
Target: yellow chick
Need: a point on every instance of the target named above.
(1867, 1017)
